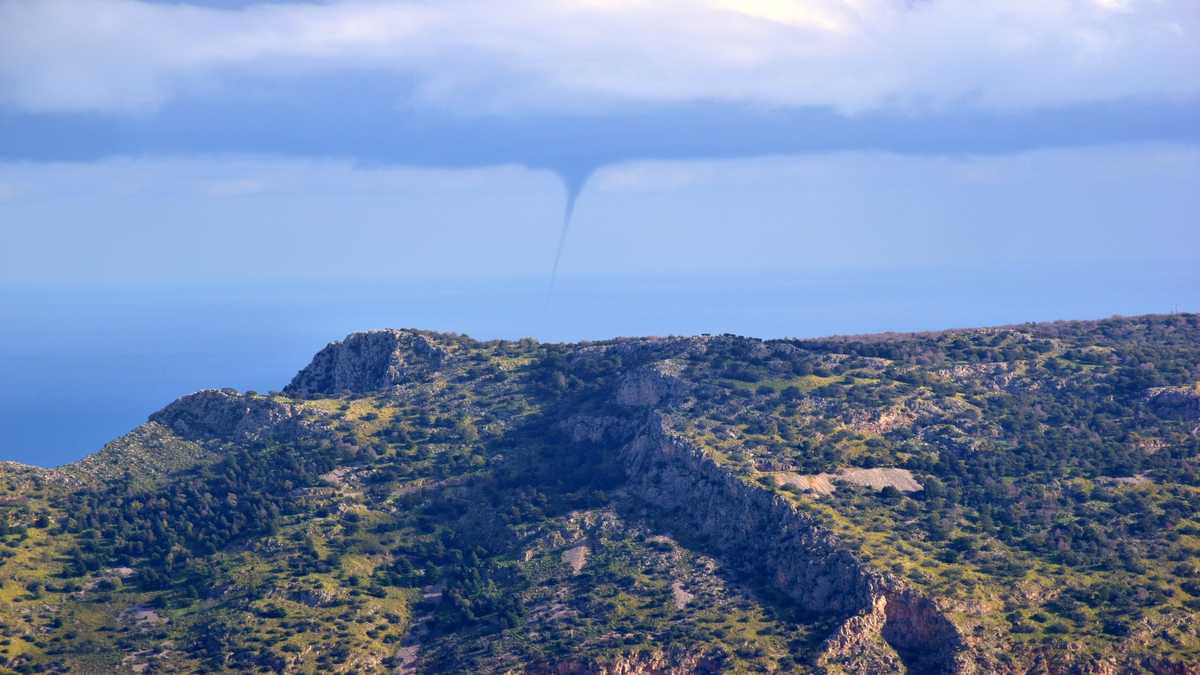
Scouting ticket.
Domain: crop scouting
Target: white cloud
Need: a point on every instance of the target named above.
(467, 54)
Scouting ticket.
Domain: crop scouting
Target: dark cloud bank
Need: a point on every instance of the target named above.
(366, 120)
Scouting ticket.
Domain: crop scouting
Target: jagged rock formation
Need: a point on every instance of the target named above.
(804, 560)
(367, 362)
(756, 527)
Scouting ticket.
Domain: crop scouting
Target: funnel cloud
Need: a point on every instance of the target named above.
(573, 184)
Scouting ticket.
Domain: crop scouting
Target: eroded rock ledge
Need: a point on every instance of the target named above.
(889, 627)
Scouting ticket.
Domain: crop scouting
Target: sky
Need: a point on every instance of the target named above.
(1005, 161)
(218, 140)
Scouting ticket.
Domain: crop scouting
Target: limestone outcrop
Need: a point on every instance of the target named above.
(368, 362)
(887, 622)
(225, 414)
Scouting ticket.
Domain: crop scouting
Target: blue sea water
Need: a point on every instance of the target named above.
(83, 363)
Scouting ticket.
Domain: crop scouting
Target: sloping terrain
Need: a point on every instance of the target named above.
(996, 500)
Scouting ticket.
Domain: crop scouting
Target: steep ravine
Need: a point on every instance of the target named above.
(889, 627)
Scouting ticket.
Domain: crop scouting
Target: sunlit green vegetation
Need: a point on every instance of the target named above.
(439, 523)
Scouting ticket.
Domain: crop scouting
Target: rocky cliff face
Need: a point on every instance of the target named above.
(858, 646)
(757, 529)
(226, 414)
(367, 362)
(650, 385)
(888, 626)
(714, 505)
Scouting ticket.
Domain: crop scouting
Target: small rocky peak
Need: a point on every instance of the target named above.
(228, 414)
(370, 361)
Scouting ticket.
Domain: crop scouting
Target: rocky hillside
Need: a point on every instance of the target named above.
(1012, 499)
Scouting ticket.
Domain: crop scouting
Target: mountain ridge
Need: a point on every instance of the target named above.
(535, 507)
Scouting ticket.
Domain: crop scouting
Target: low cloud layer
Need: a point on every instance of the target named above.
(572, 55)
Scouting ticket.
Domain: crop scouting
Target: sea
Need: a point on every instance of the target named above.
(82, 363)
